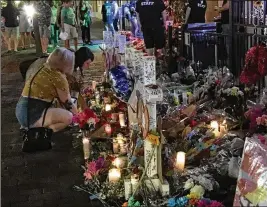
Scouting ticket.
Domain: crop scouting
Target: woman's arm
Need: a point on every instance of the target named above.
(65, 99)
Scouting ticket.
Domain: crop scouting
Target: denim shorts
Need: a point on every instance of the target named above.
(36, 109)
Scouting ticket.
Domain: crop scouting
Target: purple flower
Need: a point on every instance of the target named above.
(100, 162)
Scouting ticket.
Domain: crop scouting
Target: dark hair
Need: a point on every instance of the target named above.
(82, 55)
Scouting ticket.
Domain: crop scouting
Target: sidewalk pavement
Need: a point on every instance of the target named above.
(43, 179)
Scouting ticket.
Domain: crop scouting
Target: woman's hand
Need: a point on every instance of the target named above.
(65, 99)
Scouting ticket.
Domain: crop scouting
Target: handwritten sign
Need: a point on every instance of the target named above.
(116, 40)
(153, 165)
(153, 95)
(149, 70)
(122, 43)
(152, 110)
(108, 39)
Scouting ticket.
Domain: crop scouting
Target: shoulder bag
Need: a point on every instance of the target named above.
(36, 139)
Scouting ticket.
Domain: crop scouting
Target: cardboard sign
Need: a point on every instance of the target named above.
(251, 189)
(149, 69)
(108, 39)
(122, 43)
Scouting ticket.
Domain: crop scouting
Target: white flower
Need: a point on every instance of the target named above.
(91, 121)
(198, 190)
(189, 184)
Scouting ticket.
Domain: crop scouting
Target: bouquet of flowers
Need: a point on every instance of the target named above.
(86, 119)
(262, 123)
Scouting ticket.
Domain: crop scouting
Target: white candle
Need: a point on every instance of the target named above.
(122, 119)
(114, 175)
(117, 162)
(108, 107)
(108, 129)
(86, 147)
(215, 126)
(93, 85)
(127, 188)
(180, 161)
(134, 182)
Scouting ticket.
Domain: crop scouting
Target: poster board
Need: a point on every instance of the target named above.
(251, 189)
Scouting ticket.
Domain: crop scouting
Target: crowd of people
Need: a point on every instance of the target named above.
(53, 17)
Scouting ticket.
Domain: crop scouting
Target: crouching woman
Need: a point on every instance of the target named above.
(35, 109)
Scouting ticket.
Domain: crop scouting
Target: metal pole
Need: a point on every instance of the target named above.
(216, 55)
(231, 38)
(38, 45)
(170, 46)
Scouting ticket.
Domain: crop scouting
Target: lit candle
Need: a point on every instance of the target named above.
(86, 147)
(215, 126)
(117, 162)
(122, 119)
(93, 85)
(134, 182)
(114, 175)
(108, 129)
(93, 102)
(115, 147)
(102, 89)
(180, 161)
(108, 107)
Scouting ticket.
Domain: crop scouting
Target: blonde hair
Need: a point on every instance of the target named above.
(62, 59)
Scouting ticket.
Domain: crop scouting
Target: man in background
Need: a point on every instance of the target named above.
(224, 10)
(44, 20)
(69, 23)
(152, 18)
(115, 11)
(107, 16)
(196, 11)
(11, 16)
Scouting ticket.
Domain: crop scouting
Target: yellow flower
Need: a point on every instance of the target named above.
(198, 191)
(153, 139)
(192, 196)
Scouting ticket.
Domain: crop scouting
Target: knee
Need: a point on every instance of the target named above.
(69, 118)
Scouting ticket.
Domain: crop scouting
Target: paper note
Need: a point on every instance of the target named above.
(108, 39)
(149, 70)
(122, 43)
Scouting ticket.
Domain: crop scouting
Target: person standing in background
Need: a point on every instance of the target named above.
(69, 24)
(196, 11)
(134, 22)
(107, 16)
(86, 21)
(54, 26)
(44, 21)
(152, 18)
(24, 28)
(11, 15)
(224, 10)
(115, 12)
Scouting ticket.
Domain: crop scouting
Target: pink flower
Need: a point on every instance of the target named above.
(202, 203)
(262, 139)
(215, 204)
(87, 175)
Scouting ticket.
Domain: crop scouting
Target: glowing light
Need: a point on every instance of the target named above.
(30, 10)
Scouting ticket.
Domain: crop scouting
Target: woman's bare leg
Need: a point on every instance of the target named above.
(22, 38)
(55, 119)
(67, 44)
